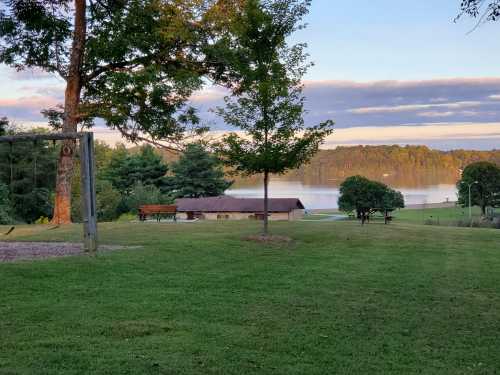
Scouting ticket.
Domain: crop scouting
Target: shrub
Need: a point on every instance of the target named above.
(42, 220)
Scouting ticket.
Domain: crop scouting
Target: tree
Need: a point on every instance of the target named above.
(198, 173)
(267, 102)
(28, 169)
(126, 170)
(131, 63)
(365, 197)
(484, 181)
(484, 10)
(4, 124)
(5, 207)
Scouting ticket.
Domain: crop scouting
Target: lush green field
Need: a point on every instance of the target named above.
(441, 216)
(198, 299)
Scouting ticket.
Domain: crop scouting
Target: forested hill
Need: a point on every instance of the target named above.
(409, 166)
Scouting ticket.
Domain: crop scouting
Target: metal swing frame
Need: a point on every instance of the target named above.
(87, 167)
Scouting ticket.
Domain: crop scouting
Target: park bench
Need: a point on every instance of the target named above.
(157, 210)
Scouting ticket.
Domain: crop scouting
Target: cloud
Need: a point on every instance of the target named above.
(413, 107)
(26, 109)
(358, 107)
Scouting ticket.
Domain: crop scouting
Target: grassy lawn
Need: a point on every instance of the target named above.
(442, 216)
(198, 299)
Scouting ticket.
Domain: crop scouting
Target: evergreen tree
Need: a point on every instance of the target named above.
(29, 170)
(198, 174)
(126, 170)
(267, 101)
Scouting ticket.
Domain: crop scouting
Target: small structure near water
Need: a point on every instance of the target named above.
(230, 208)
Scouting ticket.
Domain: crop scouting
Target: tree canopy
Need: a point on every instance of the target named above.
(484, 181)
(126, 170)
(484, 10)
(267, 102)
(197, 173)
(365, 197)
(131, 63)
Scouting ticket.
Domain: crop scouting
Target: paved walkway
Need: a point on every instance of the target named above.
(328, 217)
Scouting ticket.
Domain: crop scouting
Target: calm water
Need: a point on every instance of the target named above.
(322, 197)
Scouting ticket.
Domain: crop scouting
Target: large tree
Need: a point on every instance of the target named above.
(197, 173)
(131, 63)
(484, 181)
(267, 104)
(365, 197)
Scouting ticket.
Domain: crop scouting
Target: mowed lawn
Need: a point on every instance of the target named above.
(199, 299)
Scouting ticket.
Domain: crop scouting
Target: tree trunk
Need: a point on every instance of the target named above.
(483, 210)
(62, 204)
(266, 204)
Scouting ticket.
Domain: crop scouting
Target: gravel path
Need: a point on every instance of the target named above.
(12, 251)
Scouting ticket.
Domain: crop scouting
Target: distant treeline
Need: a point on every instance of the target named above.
(408, 166)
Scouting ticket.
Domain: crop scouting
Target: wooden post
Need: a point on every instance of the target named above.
(88, 192)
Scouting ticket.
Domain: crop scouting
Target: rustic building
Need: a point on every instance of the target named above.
(230, 208)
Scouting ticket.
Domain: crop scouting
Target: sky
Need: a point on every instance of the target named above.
(386, 71)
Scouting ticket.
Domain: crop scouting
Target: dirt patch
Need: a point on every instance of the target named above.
(12, 251)
(270, 240)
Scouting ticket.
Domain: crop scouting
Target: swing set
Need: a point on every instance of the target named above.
(87, 166)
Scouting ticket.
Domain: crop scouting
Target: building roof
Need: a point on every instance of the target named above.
(231, 204)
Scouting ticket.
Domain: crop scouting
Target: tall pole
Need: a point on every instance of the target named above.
(470, 202)
(88, 193)
(470, 206)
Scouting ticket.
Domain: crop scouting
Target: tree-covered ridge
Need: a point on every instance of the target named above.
(408, 166)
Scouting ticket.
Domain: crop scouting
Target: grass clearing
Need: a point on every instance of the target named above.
(200, 299)
(441, 216)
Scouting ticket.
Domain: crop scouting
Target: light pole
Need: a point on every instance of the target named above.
(470, 200)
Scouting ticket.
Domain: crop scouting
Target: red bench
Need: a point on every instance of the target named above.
(157, 210)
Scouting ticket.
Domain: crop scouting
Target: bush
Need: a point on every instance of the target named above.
(42, 220)
(107, 201)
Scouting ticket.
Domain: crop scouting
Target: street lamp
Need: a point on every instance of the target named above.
(470, 201)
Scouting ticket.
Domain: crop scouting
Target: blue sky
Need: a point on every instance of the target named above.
(385, 71)
(397, 40)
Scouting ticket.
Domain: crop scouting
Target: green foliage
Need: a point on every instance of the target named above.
(125, 170)
(484, 193)
(197, 174)
(108, 200)
(142, 58)
(267, 102)
(42, 220)
(5, 208)
(4, 124)
(359, 194)
(144, 194)
(485, 10)
(28, 169)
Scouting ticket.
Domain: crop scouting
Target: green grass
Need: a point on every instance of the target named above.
(197, 299)
(442, 216)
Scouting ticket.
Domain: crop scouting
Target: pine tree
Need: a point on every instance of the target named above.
(198, 174)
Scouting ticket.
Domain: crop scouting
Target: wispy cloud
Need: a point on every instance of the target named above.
(413, 107)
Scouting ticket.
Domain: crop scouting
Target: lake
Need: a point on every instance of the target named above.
(325, 197)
